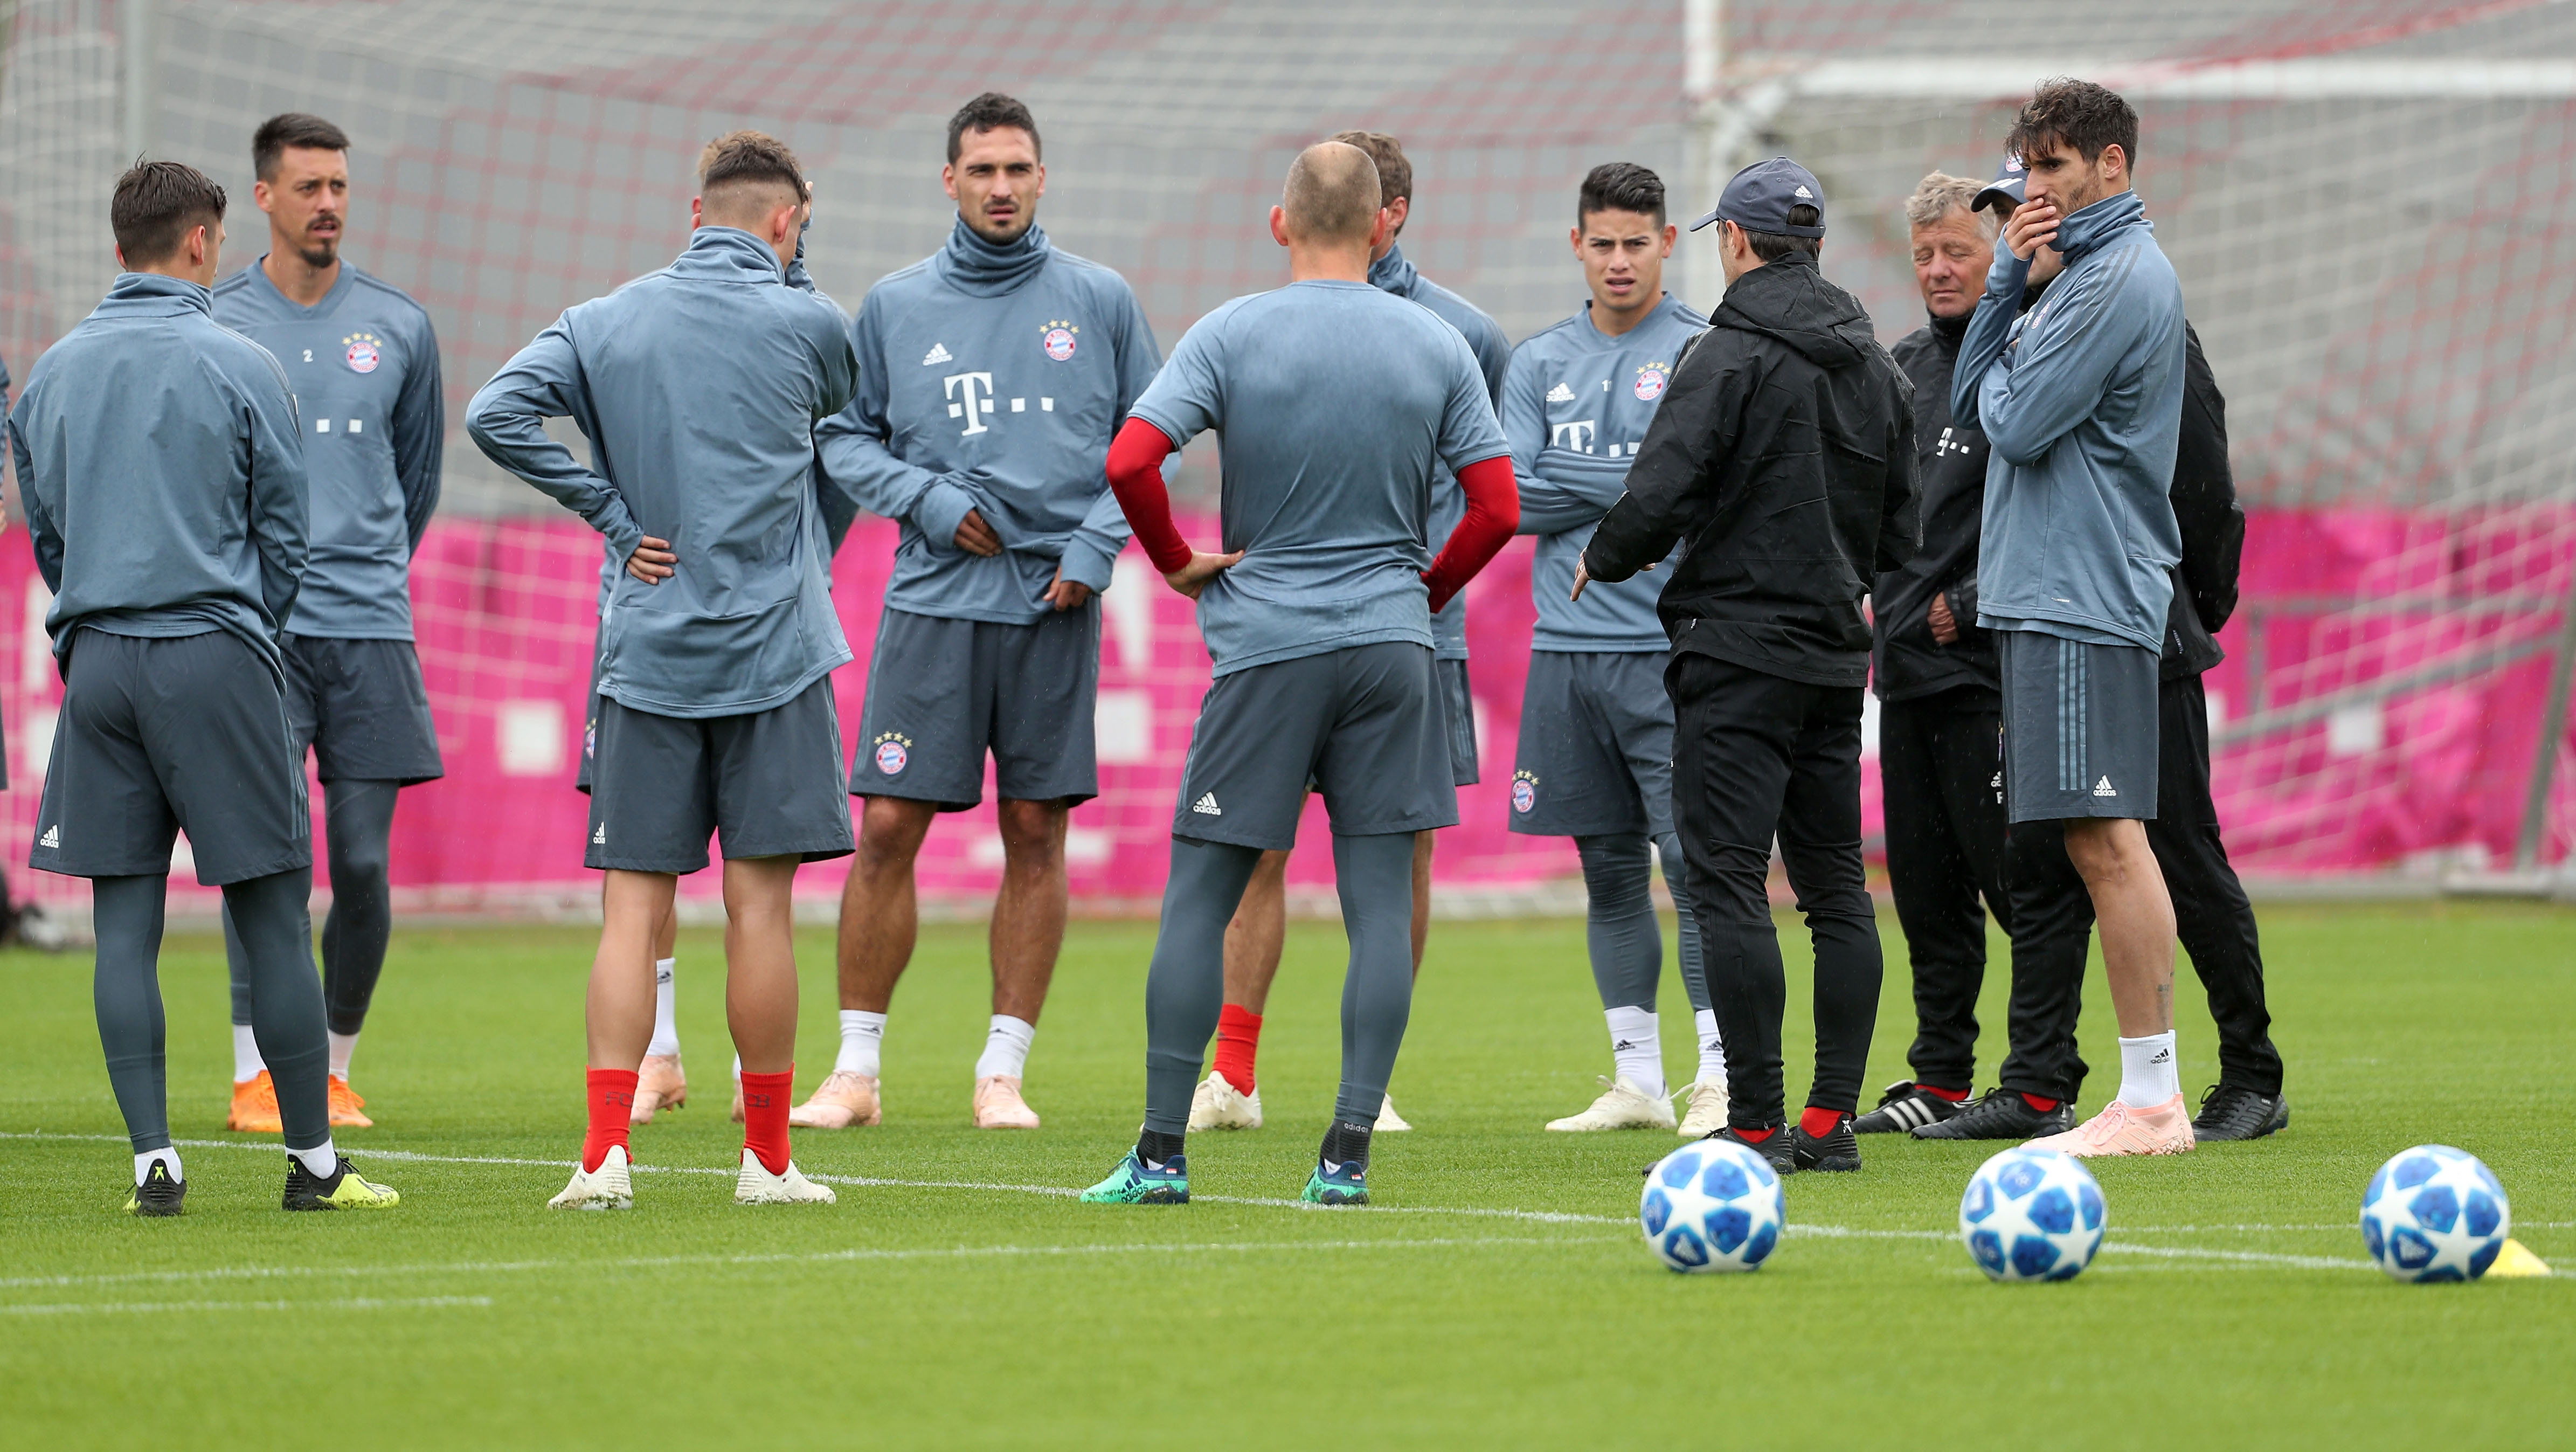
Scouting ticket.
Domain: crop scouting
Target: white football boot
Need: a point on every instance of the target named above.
(1216, 1105)
(1388, 1121)
(1622, 1105)
(1707, 1112)
(610, 1187)
(757, 1186)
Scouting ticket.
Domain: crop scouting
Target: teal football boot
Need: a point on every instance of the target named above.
(1136, 1183)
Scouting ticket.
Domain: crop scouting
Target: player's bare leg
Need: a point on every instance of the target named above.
(1027, 934)
(660, 1083)
(2136, 919)
(760, 1009)
(618, 1018)
(880, 922)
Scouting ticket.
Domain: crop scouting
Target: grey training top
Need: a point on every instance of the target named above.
(698, 388)
(1493, 354)
(1575, 406)
(363, 363)
(158, 460)
(1337, 402)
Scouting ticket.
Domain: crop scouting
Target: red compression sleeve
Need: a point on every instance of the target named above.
(1136, 477)
(1493, 512)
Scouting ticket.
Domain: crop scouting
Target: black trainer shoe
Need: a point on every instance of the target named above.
(2003, 1114)
(1837, 1150)
(1775, 1149)
(1905, 1107)
(343, 1189)
(158, 1194)
(2228, 1112)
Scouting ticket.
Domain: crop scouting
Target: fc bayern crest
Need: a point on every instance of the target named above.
(1060, 339)
(1524, 793)
(892, 758)
(1650, 382)
(364, 354)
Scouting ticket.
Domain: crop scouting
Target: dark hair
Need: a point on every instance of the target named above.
(748, 158)
(2080, 114)
(1394, 173)
(1772, 246)
(992, 111)
(157, 205)
(1621, 186)
(292, 128)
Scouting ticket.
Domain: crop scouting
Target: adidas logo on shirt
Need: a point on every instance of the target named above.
(1207, 806)
(2102, 788)
(1560, 394)
(53, 837)
(938, 354)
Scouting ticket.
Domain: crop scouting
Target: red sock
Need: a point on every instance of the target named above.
(764, 1116)
(1756, 1136)
(1819, 1122)
(1955, 1096)
(2036, 1102)
(612, 1099)
(1238, 1040)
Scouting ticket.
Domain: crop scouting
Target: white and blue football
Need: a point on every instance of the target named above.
(1712, 1205)
(2435, 1213)
(2032, 1215)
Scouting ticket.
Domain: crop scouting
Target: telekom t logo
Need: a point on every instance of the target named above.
(1575, 436)
(964, 400)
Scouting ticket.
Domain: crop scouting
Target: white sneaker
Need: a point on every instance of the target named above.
(757, 1186)
(1216, 1105)
(1707, 1112)
(610, 1187)
(1622, 1105)
(1388, 1121)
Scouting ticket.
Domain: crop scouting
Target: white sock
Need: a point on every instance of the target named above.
(1006, 1048)
(318, 1161)
(1712, 1049)
(167, 1156)
(666, 1026)
(1636, 1050)
(2148, 1074)
(342, 1046)
(247, 1064)
(862, 1037)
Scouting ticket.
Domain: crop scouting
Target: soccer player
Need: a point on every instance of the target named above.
(1783, 454)
(162, 472)
(363, 363)
(1596, 739)
(1230, 1098)
(992, 377)
(2081, 399)
(698, 388)
(1335, 401)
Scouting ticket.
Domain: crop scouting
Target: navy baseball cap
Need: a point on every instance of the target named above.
(1759, 197)
(2005, 192)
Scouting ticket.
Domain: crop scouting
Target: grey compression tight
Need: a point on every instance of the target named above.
(358, 824)
(1627, 943)
(1186, 986)
(286, 1001)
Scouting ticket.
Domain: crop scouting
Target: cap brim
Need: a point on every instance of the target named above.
(1704, 221)
(1999, 196)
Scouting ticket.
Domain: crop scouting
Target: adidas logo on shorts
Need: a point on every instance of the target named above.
(2102, 788)
(599, 837)
(53, 837)
(1206, 806)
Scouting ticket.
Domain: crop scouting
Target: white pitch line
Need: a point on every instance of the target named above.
(160, 1308)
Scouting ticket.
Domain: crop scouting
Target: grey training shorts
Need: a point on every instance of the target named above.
(2079, 728)
(765, 784)
(1596, 747)
(362, 707)
(1363, 723)
(160, 735)
(942, 693)
(1459, 706)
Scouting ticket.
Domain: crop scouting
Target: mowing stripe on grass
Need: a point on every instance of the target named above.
(163, 1308)
(1553, 1217)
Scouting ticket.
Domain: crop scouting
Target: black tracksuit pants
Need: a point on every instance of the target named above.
(2052, 915)
(1756, 757)
(1941, 774)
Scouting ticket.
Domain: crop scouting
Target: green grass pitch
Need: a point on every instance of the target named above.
(956, 1297)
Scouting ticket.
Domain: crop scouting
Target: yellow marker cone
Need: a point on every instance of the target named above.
(2516, 1259)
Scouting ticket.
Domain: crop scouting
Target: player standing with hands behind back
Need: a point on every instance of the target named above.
(2081, 400)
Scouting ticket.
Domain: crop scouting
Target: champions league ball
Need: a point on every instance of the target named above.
(2032, 1215)
(2434, 1213)
(1712, 1206)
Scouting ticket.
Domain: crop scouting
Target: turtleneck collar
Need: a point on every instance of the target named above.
(727, 252)
(1951, 330)
(2085, 232)
(1392, 273)
(142, 286)
(979, 269)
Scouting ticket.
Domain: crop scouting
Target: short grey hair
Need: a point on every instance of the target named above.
(1936, 194)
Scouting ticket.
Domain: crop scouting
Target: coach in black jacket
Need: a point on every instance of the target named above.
(1784, 455)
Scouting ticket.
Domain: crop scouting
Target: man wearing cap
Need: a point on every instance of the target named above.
(1784, 454)
(2081, 399)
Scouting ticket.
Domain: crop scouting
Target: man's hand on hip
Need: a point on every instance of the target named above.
(1066, 594)
(976, 537)
(652, 561)
(1193, 577)
(1945, 626)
